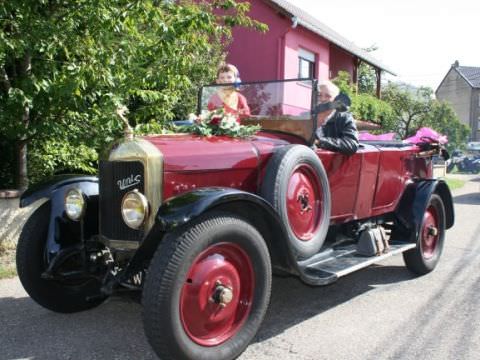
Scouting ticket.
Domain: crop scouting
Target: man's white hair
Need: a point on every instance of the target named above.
(332, 89)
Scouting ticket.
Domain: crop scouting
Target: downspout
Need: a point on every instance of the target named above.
(281, 49)
(473, 121)
(356, 64)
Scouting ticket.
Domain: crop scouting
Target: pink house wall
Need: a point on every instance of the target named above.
(274, 54)
(296, 39)
(340, 60)
(260, 56)
(300, 38)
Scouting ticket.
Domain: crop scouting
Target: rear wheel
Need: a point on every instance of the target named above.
(424, 258)
(64, 297)
(207, 290)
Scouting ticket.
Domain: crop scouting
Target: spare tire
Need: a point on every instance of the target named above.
(296, 185)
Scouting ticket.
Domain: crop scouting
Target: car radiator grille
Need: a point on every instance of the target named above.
(113, 186)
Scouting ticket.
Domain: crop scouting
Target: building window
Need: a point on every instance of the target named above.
(306, 64)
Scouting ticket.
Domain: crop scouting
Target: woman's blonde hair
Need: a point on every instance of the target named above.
(332, 89)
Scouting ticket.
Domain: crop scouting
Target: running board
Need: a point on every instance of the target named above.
(324, 269)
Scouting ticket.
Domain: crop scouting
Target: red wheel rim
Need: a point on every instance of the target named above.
(217, 295)
(304, 200)
(429, 232)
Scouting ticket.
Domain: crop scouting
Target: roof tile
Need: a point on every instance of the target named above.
(311, 23)
(471, 74)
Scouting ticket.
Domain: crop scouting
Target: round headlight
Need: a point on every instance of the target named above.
(134, 209)
(74, 204)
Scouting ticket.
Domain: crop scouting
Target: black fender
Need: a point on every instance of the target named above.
(181, 210)
(414, 201)
(63, 232)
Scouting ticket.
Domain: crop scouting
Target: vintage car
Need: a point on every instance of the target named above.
(199, 224)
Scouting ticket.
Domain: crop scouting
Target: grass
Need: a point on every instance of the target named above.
(7, 272)
(454, 183)
(7, 263)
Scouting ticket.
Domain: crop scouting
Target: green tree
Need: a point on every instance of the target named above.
(418, 108)
(344, 83)
(443, 119)
(410, 109)
(367, 78)
(370, 108)
(405, 109)
(66, 65)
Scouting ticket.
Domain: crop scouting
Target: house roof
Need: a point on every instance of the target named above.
(311, 23)
(471, 74)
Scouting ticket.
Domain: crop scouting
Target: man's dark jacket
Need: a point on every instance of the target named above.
(339, 134)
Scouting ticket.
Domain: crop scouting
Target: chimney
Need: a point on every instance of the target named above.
(456, 64)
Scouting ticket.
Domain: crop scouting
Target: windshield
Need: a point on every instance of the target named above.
(272, 100)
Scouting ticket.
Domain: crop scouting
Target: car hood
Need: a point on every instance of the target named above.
(187, 152)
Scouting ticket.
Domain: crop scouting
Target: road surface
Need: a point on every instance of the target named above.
(382, 312)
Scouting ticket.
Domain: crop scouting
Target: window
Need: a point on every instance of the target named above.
(306, 64)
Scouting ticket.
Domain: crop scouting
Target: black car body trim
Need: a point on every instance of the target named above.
(45, 189)
(183, 209)
(414, 202)
(62, 231)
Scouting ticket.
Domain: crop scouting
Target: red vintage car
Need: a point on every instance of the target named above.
(198, 224)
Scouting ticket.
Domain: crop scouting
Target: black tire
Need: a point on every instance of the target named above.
(30, 258)
(172, 273)
(286, 163)
(424, 258)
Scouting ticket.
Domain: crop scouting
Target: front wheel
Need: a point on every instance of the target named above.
(207, 290)
(59, 296)
(424, 258)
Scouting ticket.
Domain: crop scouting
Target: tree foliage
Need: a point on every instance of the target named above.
(367, 78)
(410, 108)
(443, 118)
(66, 65)
(404, 110)
(416, 107)
(366, 106)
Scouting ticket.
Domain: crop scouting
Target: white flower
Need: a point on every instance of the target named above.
(205, 115)
(192, 117)
(229, 122)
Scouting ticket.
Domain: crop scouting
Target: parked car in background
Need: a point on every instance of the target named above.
(198, 224)
(465, 163)
(474, 146)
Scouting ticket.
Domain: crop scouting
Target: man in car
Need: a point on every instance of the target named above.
(337, 130)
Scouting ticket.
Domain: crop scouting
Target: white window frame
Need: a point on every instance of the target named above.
(307, 58)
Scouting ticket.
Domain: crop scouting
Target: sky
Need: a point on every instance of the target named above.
(418, 39)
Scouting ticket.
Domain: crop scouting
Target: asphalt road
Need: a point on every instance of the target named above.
(382, 312)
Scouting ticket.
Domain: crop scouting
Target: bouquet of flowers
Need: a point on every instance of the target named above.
(219, 122)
